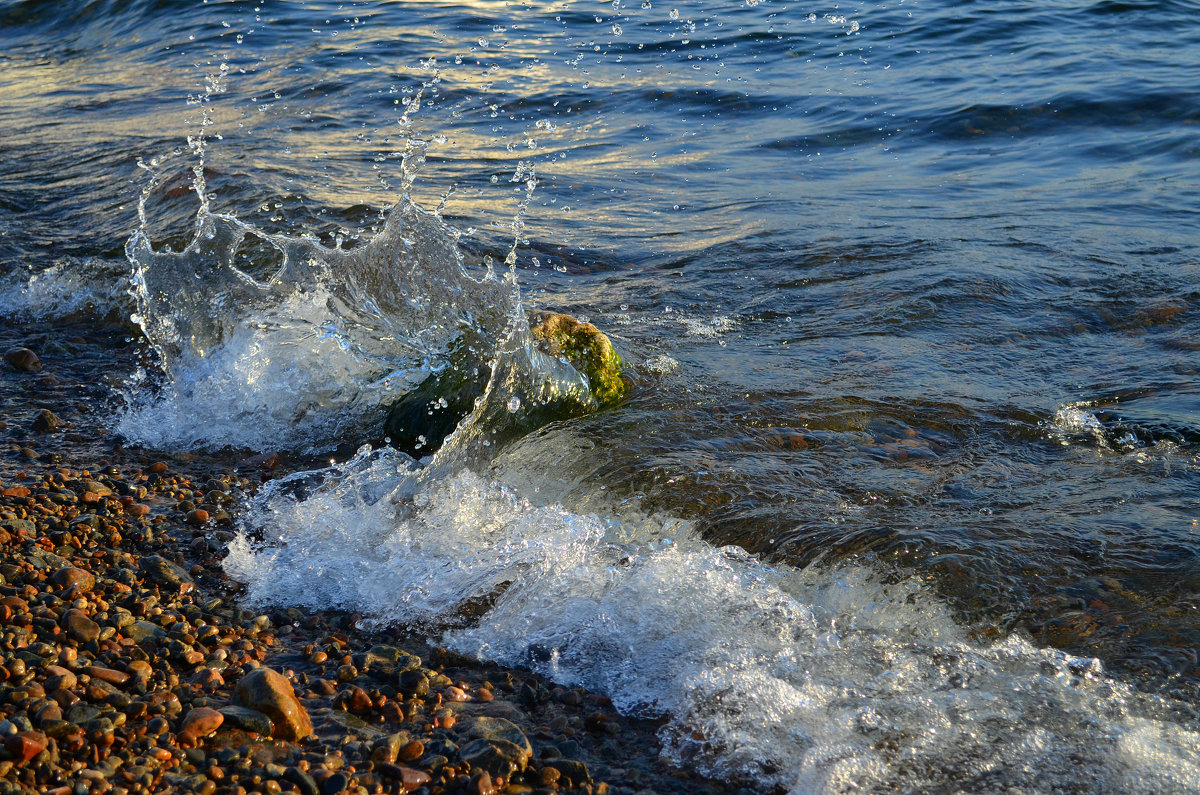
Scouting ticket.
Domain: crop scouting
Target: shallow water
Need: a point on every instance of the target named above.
(910, 291)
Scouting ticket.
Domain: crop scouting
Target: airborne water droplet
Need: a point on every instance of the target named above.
(514, 404)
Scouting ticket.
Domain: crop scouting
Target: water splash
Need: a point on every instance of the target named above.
(274, 340)
(70, 286)
(815, 680)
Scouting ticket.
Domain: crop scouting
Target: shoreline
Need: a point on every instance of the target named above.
(127, 665)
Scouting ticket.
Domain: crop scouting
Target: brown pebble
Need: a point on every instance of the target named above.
(198, 516)
(324, 687)
(358, 701)
(209, 678)
(481, 784)
(48, 713)
(73, 575)
(484, 695)
(410, 778)
(158, 467)
(200, 722)
(79, 627)
(456, 694)
(15, 491)
(411, 751)
(25, 746)
(139, 669)
(106, 674)
(23, 359)
(58, 678)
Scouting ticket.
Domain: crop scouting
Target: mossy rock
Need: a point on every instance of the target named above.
(588, 349)
(423, 418)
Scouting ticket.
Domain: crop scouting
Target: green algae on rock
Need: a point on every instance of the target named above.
(591, 378)
(588, 350)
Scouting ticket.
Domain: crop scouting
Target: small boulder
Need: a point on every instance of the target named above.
(164, 573)
(390, 660)
(588, 349)
(500, 729)
(46, 422)
(498, 757)
(23, 359)
(269, 692)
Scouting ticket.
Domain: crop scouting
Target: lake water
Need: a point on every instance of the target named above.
(905, 495)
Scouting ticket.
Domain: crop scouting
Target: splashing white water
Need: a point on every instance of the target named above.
(814, 680)
(304, 355)
(69, 286)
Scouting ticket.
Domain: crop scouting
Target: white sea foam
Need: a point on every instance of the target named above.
(67, 287)
(1079, 421)
(819, 680)
(280, 381)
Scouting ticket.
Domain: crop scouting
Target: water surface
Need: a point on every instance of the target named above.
(910, 290)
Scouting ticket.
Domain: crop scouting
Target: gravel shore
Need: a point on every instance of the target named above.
(127, 664)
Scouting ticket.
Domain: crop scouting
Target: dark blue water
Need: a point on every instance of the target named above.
(909, 285)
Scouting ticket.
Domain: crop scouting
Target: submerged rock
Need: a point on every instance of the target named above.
(23, 359)
(422, 419)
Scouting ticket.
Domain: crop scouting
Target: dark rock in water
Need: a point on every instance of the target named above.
(486, 728)
(24, 360)
(389, 660)
(159, 570)
(419, 422)
(422, 419)
(498, 757)
(574, 770)
(248, 720)
(46, 422)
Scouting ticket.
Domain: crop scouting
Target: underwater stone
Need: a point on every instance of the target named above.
(23, 359)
